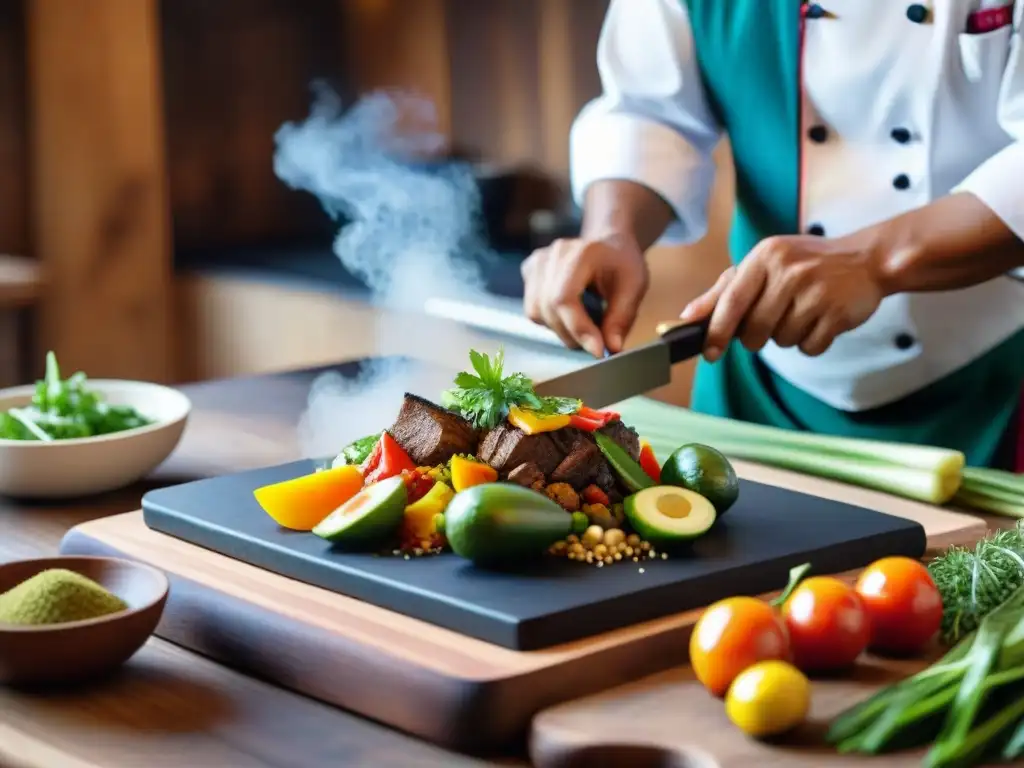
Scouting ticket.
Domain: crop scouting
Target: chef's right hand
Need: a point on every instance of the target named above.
(556, 277)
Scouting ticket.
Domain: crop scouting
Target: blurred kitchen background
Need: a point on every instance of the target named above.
(146, 234)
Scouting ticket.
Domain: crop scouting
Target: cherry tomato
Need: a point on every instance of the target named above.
(733, 635)
(903, 604)
(828, 626)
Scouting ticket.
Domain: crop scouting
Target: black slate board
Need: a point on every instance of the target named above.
(750, 551)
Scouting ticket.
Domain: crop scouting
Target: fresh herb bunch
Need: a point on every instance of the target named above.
(62, 409)
(973, 582)
(969, 705)
(485, 398)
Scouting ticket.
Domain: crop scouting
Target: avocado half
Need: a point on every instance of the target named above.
(666, 514)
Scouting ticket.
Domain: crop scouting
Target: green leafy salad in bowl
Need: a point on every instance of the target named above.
(65, 409)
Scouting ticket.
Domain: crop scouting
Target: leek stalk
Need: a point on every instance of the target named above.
(924, 473)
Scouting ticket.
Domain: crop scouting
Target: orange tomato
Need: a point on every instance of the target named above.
(732, 635)
(902, 602)
(828, 626)
(301, 503)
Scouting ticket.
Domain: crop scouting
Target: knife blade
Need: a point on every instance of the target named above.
(627, 374)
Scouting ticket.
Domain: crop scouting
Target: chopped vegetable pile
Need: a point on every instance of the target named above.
(63, 409)
(499, 473)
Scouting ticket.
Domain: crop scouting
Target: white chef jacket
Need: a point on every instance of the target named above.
(893, 115)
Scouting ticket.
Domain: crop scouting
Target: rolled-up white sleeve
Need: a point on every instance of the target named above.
(997, 181)
(652, 124)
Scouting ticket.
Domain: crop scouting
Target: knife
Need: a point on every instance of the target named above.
(627, 374)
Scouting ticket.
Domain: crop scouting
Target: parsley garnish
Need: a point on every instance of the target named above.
(484, 398)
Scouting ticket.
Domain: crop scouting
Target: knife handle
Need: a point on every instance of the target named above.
(684, 340)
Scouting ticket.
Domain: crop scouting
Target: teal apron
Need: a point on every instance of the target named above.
(749, 52)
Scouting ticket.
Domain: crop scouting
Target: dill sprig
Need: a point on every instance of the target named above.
(973, 582)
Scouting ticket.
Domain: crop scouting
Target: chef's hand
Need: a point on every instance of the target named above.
(556, 277)
(798, 291)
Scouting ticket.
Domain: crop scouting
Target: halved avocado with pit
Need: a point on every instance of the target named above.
(666, 514)
(369, 517)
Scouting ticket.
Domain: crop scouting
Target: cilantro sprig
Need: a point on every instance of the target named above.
(484, 397)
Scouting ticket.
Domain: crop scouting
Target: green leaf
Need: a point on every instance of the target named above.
(468, 381)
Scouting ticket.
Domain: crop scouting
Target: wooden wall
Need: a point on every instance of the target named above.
(14, 225)
(172, 105)
(507, 76)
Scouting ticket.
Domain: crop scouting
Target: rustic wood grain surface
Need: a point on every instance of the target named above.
(168, 706)
(173, 707)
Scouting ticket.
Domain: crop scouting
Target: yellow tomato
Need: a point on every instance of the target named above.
(301, 503)
(769, 698)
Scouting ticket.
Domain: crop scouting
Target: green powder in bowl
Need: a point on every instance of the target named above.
(57, 596)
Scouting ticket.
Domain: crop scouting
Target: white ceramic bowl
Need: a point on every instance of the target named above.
(90, 465)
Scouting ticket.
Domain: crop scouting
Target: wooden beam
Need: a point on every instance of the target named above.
(403, 45)
(100, 219)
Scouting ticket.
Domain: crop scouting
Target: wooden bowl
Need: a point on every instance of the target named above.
(81, 650)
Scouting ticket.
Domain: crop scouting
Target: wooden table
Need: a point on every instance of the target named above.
(171, 707)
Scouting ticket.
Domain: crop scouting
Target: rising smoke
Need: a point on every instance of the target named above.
(409, 229)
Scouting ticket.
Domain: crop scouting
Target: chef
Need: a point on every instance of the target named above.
(879, 156)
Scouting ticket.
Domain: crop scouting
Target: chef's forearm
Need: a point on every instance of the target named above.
(624, 209)
(954, 242)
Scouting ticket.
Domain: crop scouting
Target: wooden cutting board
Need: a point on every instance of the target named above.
(452, 689)
(669, 720)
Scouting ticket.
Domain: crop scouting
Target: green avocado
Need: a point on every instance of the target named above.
(666, 514)
(501, 523)
(703, 470)
(369, 517)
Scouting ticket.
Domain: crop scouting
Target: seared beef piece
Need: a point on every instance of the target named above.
(430, 434)
(527, 475)
(624, 436)
(566, 439)
(505, 447)
(579, 466)
(605, 479)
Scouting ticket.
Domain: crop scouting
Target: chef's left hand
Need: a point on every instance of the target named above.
(798, 291)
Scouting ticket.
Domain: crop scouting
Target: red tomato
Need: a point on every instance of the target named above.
(828, 626)
(902, 602)
(732, 635)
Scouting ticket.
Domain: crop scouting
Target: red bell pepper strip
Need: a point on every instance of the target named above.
(592, 494)
(649, 462)
(393, 460)
(587, 425)
(605, 417)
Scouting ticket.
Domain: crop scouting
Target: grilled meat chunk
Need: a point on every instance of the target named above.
(431, 434)
(527, 475)
(505, 447)
(580, 464)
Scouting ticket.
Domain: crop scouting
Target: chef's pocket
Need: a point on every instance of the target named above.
(984, 56)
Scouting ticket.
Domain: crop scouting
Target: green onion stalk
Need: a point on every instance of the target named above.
(969, 705)
(924, 473)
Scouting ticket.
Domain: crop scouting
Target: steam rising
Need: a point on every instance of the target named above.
(409, 230)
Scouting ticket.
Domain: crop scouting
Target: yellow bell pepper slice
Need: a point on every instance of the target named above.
(533, 423)
(301, 503)
(467, 472)
(419, 521)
